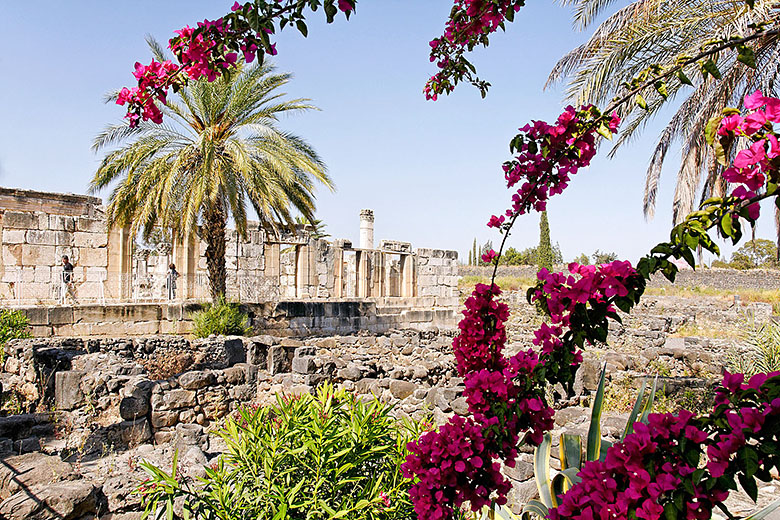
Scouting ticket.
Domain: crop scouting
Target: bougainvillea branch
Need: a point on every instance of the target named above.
(656, 470)
(213, 48)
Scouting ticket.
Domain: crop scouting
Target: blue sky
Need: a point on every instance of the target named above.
(430, 171)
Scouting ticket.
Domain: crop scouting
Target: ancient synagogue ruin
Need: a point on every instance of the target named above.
(292, 282)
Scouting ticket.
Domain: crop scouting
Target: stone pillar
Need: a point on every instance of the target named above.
(302, 272)
(379, 265)
(408, 276)
(366, 229)
(120, 264)
(363, 274)
(338, 272)
(186, 253)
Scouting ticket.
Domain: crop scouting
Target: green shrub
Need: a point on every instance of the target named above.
(13, 325)
(221, 318)
(309, 457)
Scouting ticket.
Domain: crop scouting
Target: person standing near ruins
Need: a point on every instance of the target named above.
(170, 281)
(66, 286)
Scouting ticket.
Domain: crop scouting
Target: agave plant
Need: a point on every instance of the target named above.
(571, 452)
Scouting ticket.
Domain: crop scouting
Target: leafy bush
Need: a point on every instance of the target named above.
(583, 259)
(221, 318)
(603, 257)
(314, 457)
(13, 325)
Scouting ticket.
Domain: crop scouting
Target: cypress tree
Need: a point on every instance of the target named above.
(474, 255)
(470, 257)
(544, 253)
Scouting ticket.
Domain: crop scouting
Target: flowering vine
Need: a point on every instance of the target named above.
(214, 46)
(656, 470)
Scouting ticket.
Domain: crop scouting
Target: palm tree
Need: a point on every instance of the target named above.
(220, 148)
(316, 227)
(658, 31)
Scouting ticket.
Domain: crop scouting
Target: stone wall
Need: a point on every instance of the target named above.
(37, 229)
(281, 318)
(716, 278)
(114, 397)
(156, 385)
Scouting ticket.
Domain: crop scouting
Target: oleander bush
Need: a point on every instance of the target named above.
(329, 455)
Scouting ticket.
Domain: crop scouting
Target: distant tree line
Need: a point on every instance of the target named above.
(758, 253)
(544, 255)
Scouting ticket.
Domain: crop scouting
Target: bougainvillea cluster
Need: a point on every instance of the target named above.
(657, 470)
(753, 165)
(209, 49)
(470, 24)
(547, 157)
(584, 284)
(505, 396)
(638, 473)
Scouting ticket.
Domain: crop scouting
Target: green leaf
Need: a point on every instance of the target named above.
(746, 55)
(593, 449)
(660, 87)
(727, 225)
(649, 404)
(683, 78)
(711, 130)
(605, 445)
(603, 129)
(570, 451)
(639, 100)
(709, 67)
(662, 249)
(534, 507)
(635, 410)
(301, 25)
(542, 470)
(687, 255)
(749, 460)
(720, 152)
(563, 481)
(281, 514)
(253, 20)
(749, 485)
(763, 513)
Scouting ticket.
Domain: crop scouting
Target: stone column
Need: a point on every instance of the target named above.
(185, 255)
(120, 262)
(302, 272)
(366, 229)
(338, 271)
(408, 276)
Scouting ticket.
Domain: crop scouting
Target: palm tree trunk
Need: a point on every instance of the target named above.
(214, 235)
(777, 229)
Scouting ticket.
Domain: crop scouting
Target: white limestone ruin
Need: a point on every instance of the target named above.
(38, 228)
